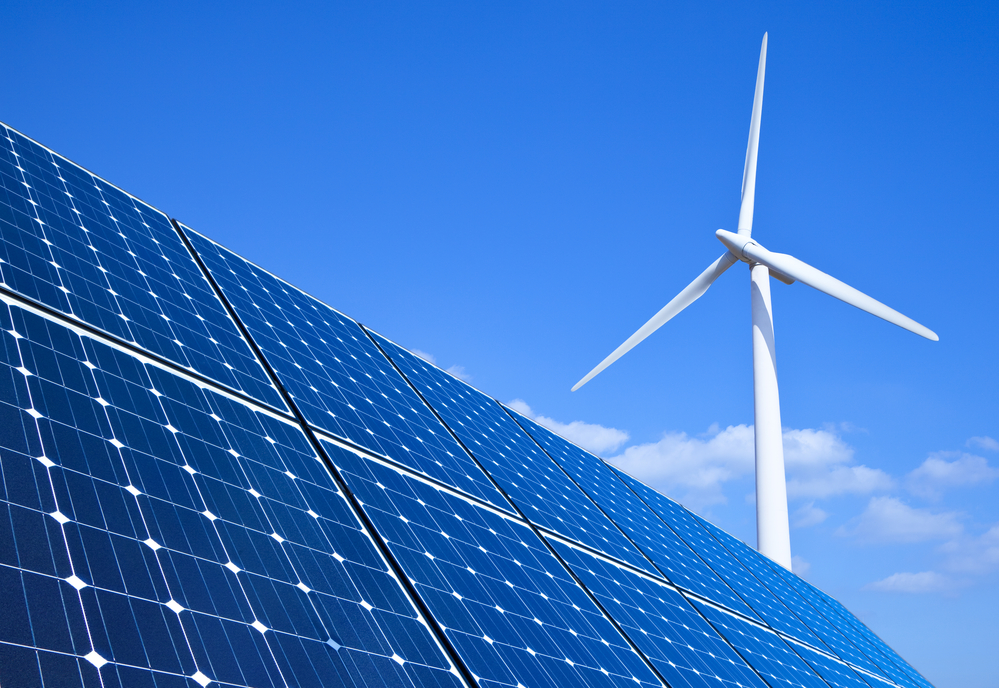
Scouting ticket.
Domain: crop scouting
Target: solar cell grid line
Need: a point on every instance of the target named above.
(73, 242)
(335, 375)
(190, 536)
(679, 642)
(762, 649)
(873, 647)
(525, 473)
(515, 615)
(836, 674)
(671, 556)
(757, 564)
(761, 600)
(897, 663)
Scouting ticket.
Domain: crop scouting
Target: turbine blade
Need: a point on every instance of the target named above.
(749, 172)
(806, 274)
(691, 293)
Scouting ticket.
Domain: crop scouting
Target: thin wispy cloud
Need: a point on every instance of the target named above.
(937, 473)
(913, 583)
(456, 370)
(986, 443)
(890, 520)
(695, 470)
(808, 515)
(590, 436)
(974, 555)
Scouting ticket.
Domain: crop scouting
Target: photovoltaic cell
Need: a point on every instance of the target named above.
(681, 645)
(532, 480)
(510, 609)
(762, 601)
(762, 569)
(873, 647)
(653, 537)
(165, 523)
(83, 247)
(836, 674)
(763, 649)
(896, 667)
(337, 377)
(154, 532)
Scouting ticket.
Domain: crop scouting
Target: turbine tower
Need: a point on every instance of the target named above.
(772, 533)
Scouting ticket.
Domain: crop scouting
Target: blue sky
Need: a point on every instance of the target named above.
(515, 187)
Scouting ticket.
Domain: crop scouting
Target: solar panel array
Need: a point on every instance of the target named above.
(209, 477)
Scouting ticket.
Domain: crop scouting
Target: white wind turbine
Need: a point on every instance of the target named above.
(773, 537)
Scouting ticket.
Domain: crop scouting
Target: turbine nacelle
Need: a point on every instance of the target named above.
(773, 538)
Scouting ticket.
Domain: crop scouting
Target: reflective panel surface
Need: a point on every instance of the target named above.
(153, 532)
(651, 535)
(532, 480)
(508, 606)
(683, 647)
(85, 248)
(337, 377)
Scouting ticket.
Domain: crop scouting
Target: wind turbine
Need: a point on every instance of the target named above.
(773, 537)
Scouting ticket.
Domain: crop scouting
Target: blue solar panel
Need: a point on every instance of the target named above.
(83, 247)
(873, 647)
(723, 563)
(681, 645)
(763, 570)
(511, 610)
(154, 532)
(836, 674)
(666, 550)
(164, 522)
(337, 377)
(763, 649)
(532, 480)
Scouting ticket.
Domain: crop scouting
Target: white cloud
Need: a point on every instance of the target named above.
(986, 443)
(456, 370)
(595, 438)
(937, 473)
(817, 467)
(800, 566)
(429, 358)
(926, 581)
(804, 449)
(818, 464)
(809, 515)
(698, 466)
(459, 372)
(837, 481)
(973, 555)
(887, 519)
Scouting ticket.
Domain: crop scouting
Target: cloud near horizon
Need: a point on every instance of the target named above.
(456, 370)
(695, 469)
(890, 520)
(913, 583)
(937, 473)
(590, 436)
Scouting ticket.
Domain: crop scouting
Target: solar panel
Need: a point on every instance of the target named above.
(511, 610)
(532, 480)
(681, 645)
(836, 674)
(774, 582)
(723, 563)
(337, 377)
(208, 477)
(153, 531)
(71, 241)
(873, 648)
(763, 649)
(667, 551)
